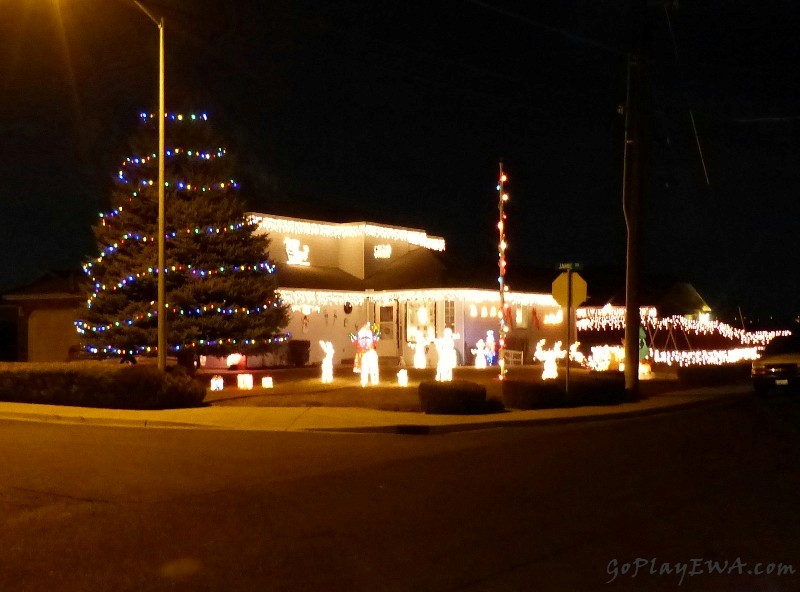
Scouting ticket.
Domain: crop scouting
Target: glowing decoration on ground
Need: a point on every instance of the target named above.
(244, 381)
(266, 382)
(369, 368)
(217, 383)
(576, 355)
(445, 347)
(327, 361)
(365, 340)
(402, 377)
(419, 346)
(382, 251)
(550, 358)
(480, 354)
(296, 254)
(490, 348)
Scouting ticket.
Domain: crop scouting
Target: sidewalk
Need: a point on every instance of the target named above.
(333, 419)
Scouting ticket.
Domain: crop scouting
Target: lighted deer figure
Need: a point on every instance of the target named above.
(550, 358)
(327, 361)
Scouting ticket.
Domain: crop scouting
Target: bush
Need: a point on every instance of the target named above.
(299, 352)
(599, 388)
(457, 397)
(712, 375)
(519, 394)
(100, 385)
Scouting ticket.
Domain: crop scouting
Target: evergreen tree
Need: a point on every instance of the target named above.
(220, 285)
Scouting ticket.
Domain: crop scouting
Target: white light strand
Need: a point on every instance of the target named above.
(347, 230)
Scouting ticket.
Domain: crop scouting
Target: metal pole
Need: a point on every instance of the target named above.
(162, 283)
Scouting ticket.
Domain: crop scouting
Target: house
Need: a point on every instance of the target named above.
(37, 319)
(338, 277)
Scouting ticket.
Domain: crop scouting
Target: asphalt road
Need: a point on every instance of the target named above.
(613, 505)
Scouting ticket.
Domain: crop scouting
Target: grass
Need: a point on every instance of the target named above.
(302, 387)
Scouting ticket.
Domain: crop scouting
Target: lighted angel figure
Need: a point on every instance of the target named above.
(480, 354)
(419, 346)
(327, 361)
(550, 358)
(490, 348)
(445, 347)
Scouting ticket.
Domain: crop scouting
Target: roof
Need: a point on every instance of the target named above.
(52, 284)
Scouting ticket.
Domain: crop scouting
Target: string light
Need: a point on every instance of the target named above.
(193, 271)
(137, 237)
(501, 264)
(347, 230)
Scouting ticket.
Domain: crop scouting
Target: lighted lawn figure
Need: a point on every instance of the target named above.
(480, 354)
(402, 377)
(367, 357)
(217, 383)
(490, 348)
(550, 358)
(446, 348)
(327, 361)
(418, 346)
(364, 340)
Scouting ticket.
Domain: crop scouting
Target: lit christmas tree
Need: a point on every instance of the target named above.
(220, 285)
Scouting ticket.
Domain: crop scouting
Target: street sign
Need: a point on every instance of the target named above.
(561, 286)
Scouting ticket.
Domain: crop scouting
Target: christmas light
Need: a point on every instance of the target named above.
(244, 382)
(327, 361)
(347, 230)
(217, 383)
(550, 358)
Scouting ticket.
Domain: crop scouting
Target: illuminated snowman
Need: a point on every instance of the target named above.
(480, 354)
(550, 358)
(446, 348)
(369, 356)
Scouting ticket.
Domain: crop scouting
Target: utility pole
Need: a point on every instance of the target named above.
(633, 188)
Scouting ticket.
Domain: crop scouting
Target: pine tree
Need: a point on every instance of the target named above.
(220, 285)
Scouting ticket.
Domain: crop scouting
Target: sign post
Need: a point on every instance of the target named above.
(569, 291)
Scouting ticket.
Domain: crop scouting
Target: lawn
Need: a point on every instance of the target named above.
(302, 387)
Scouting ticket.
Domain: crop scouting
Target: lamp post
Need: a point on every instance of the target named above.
(162, 285)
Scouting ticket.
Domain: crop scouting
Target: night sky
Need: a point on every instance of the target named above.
(398, 112)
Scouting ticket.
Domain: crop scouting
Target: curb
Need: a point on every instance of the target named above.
(428, 429)
(407, 429)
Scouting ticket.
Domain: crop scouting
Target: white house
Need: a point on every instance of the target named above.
(337, 277)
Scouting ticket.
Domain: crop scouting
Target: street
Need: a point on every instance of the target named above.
(702, 499)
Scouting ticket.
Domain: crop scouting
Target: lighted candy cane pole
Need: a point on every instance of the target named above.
(501, 226)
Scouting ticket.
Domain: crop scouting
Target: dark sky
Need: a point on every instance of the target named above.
(399, 112)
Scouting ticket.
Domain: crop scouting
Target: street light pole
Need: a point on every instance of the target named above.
(162, 284)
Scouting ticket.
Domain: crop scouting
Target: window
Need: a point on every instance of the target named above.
(450, 314)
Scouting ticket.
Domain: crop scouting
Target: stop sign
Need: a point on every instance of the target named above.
(561, 289)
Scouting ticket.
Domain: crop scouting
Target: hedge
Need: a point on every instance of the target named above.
(95, 384)
(457, 397)
(600, 388)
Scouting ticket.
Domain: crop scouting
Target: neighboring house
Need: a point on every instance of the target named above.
(37, 320)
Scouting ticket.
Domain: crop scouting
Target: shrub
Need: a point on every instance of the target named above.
(99, 385)
(519, 394)
(597, 388)
(711, 375)
(458, 397)
(299, 352)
